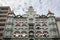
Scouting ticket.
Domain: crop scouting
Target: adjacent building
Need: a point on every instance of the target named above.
(4, 11)
(31, 26)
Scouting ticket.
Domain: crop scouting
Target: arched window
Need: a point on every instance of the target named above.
(37, 28)
(24, 33)
(44, 35)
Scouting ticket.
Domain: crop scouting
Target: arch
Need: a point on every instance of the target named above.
(16, 32)
(45, 32)
(31, 39)
(38, 32)
(23, 32)
(37, 28)
(37, 24)
(24, 25)
(31, 31)
(17, 24)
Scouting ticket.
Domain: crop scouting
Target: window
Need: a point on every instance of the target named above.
(1, 29)
(38, 33)
(31, 31)
(31, 39)
(2, 24)
(37, 28)
(3, 16)
(2, 20)
(44, 35)
(1, 34)
(5, 8)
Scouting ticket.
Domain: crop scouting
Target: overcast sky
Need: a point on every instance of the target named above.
(41, 6)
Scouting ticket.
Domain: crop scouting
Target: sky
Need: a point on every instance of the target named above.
(40, 6)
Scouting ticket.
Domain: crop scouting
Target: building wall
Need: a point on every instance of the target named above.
(58, 24)
(31, 26)
(3, 17)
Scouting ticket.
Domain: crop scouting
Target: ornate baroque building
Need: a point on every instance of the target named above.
(31, 26)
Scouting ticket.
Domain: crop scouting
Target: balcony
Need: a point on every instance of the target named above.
(38, 34)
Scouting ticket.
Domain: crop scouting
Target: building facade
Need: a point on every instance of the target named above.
(3, 18)
(31, 26)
